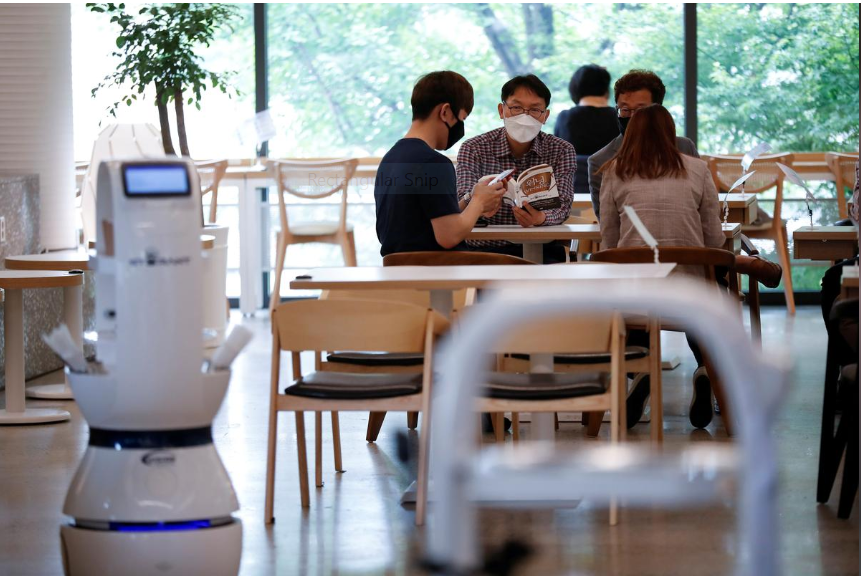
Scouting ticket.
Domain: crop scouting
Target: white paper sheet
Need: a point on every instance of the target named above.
(753, 153)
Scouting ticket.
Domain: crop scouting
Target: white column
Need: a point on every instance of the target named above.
(36, 110)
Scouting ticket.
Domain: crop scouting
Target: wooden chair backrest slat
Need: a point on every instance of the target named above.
(328, 325)
(842, 166)
(450, 258)
(708, 258)
(567, 334)
(727, 169)
(415, 297)
(210, 173)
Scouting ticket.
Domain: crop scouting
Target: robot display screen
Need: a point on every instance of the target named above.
(156, 180)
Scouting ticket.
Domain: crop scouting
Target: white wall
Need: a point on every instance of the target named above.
(36, 110)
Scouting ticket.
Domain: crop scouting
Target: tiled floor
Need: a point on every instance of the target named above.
(356, 525)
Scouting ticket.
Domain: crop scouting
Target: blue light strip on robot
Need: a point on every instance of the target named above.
(164, 526)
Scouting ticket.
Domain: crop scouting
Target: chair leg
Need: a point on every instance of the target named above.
(303, 459)
(412, 420)
(783, 253)
(656, 402)
(498, 420)
(280, 255)
(318, 448)
(375, 423)
(348, 249)
(555, 421)
(753, 304)
(841, 200)
(422, 476)
(850, 467)
(515, 427)
(593, 423)
(830, 447)
(213, 206)
(268, 515)
(336, 441)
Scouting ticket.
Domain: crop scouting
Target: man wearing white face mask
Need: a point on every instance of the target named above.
(519, 144)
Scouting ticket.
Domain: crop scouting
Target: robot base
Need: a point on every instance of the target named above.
(211, 551)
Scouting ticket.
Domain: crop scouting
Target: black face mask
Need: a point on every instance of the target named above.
(623, 124)
(455, 133)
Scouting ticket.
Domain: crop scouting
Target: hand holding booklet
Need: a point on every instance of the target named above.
(535, 185)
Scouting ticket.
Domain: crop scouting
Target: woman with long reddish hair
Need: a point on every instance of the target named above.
(675, 197)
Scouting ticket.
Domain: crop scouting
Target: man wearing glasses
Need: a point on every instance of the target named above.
(634, 91)
(519, 144)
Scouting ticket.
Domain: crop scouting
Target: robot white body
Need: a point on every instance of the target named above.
(151, 495)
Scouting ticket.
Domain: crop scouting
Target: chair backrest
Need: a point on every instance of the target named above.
(414, 297)
(313, 180)
(329, 325)
(707, 258)
(210, 174)
(842, 166)
(566, 334)
(726, 169)
(450, 258)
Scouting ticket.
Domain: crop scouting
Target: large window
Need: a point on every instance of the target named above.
(786, 74)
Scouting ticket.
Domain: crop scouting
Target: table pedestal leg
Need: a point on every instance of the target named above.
(73, 316)
(543, 424)
(16, 412)
(534, 252)
(442, 301)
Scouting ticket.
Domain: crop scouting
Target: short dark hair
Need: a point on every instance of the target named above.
(441, 87)
(589, 80)
(641, 80)
(531, 83)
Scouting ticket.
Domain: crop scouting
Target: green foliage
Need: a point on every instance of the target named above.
(786, 74)
(157, 47)
(342, 74)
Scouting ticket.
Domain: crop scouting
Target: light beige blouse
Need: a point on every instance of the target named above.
(677, 211)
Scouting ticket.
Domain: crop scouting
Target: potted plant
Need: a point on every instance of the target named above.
(157, 47)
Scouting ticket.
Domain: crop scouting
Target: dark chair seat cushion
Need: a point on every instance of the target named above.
(538, 387)
(377, 359)
(631, 354)
(334, 385)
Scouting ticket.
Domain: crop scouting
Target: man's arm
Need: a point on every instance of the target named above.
(564, 168)
(451, 230)
(467, 171)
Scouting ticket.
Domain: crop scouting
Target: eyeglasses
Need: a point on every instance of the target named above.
(535, 113)
(626, 112)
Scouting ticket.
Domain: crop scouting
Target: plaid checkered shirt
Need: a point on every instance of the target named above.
(490, 153)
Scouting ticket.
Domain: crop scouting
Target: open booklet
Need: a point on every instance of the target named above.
(535, 185)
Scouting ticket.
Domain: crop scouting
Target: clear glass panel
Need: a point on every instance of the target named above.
(786, 74)
(341, 75)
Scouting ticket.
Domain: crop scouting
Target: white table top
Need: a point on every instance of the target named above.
(458, 277)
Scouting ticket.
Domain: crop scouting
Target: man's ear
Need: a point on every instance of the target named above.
(499, 109)
(546, 116)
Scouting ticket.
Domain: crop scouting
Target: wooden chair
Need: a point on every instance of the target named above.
(594, 392)
(312, 180)
(210, 174)
(381, 362)
(842, 166)
(708, 259)
(727, 169)
(320, 325)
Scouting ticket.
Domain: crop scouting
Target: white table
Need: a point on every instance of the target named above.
(63, 260)
(534, 238)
